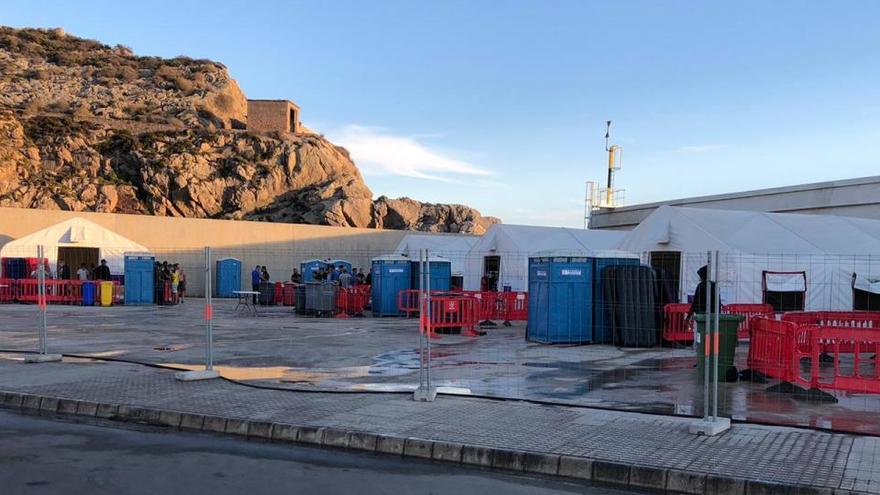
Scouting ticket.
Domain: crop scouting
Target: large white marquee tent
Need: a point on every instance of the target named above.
(514, 244)
(77, 233)
(829, 249)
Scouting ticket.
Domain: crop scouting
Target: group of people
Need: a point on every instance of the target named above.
(100, 272)
(339, 274)
(170, 273)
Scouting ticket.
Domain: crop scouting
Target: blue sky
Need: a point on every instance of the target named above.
(501, 104)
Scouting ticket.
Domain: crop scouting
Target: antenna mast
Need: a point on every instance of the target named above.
(607, 197)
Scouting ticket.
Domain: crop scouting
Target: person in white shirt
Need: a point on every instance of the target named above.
(82, 273)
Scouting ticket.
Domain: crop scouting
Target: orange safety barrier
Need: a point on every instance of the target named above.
(57, 291)
(748, 310)
(843, 319)
(350, 302)
(408, 301)
(451, 311)
(772, 348)
(851, 378)
(487, 305)
(677, 327)
(513, 306)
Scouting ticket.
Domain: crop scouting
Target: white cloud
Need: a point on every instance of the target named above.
(700, 148)
(377, 152)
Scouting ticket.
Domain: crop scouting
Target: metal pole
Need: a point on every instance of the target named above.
(41, 298)
(428, 319)
(715, 343)
(422, 309)
(209, 314)
(707, 337)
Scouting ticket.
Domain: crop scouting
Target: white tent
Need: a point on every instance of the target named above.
(828, 248)
(514, 244)
(453, 247)
(77, 233)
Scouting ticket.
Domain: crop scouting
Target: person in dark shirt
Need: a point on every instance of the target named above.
(102, 272)
(63, 271)
(296, 277)
(699, 304)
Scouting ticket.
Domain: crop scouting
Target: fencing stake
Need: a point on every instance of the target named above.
(426, 392)
(42, 355)
(208, 373)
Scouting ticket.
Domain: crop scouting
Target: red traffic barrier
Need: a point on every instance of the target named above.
(408, 301)
(8, 290)
(677, 327)
(842, 340)
(350, 302)
(452, 311)
(747, 310)
(773, 348)
(513, 306)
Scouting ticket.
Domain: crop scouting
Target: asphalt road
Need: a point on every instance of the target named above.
(46, 456)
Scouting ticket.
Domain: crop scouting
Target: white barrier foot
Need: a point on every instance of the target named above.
(42, 358)
(425, 394)
(710, 427)
(191, 376)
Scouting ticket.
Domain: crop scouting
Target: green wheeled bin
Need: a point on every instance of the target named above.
(727, 326)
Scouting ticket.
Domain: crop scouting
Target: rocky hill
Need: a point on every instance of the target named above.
(87, 127)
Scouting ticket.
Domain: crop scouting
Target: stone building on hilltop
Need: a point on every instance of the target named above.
(273, 115)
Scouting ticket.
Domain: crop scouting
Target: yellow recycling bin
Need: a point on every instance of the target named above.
(106, 293)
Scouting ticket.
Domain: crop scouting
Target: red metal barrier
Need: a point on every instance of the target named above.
(748, 311)
(513, 306)
(677, 327)
(279, 293)
(452, 311)
(842, 319)
(350, 302)
(8, 290)
(408, 301)
(487, 305)
(288, 294)
(26, 290)
(834, 341)
(773, 348)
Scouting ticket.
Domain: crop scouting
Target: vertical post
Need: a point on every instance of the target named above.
(426, 392)
(717, 337)
(42, 355)
(707, 336)
(207, 373)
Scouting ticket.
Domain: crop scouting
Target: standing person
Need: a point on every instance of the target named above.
(354, 276)
(368, 280)
(256, 276)
(361, 279)
(92, 271)
(345, 279)
(296, 277)
(264, 274)
(175, 284)
(103, 271)
(83, 273)
(157, 283)
(698, 306)
(334, 275)
(181, 287)
(63, 271)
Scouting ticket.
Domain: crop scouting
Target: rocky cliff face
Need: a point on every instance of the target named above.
(86, 127)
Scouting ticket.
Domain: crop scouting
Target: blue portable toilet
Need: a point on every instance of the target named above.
(441, 273)
(139, 287)
(601, 330)
(391, 274)
(310, 267)
(335, 263)
(228, 277)
(560, 300)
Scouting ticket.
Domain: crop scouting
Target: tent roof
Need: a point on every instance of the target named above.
(534, 239)
(436, 243)
(696, 229)
(76, 232)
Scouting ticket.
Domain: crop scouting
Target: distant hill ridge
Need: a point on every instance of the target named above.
(88, 127)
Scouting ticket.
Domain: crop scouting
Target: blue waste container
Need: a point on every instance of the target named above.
(560, 300)
(139, 271)
(88, 293)
(310, 267)
(441, 273)
(391, 274)
(228, 278)
(602, 333)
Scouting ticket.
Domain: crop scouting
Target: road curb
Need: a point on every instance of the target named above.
(657, 479)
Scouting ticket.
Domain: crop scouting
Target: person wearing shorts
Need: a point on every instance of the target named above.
(181, 286)
(175, 284)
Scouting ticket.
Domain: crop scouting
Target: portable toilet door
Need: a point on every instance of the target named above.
(391, 274)
(539, 300)
(310, 267)
(336, 263)
(602, 333)
(570, 320)
(228, 277)
(441, 274)
(139, 278)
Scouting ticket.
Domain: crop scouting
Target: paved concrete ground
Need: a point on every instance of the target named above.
(44, 456)
(620, 446)
(282, 349)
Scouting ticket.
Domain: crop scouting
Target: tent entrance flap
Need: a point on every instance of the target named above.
(491, 270)
(669, 265)
(74, 257)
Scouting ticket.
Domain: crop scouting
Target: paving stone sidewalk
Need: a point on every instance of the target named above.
(623, 448)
